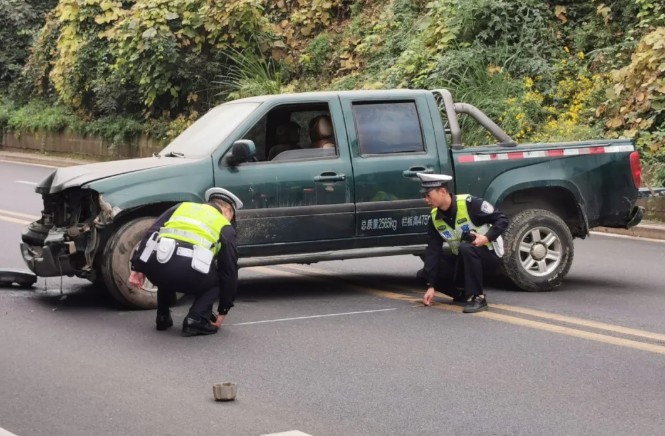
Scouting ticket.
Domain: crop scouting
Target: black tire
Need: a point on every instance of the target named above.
(520, 227)
(116, 269)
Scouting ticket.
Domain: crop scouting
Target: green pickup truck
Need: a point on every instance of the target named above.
(333, 175)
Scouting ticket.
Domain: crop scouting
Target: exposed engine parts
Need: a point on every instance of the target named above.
(68, 230)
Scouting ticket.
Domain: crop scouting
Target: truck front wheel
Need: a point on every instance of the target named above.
(116, 266)
(538, 250)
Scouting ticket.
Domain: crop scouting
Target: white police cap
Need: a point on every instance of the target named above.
(432, 181)
(225, 195)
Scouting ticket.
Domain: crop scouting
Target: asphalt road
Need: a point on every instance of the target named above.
(587, 359)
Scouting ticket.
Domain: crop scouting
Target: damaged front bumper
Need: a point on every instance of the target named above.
(52, 259)
(65, 240)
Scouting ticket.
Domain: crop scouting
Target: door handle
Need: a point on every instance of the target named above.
(329, 176)
(413, 171)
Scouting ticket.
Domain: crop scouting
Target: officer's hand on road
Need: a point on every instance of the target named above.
(427, 299)
(136, 279)
(480, 240)
(218, 321)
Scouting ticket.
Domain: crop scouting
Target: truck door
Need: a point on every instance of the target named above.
(301, 186)
(392, 139)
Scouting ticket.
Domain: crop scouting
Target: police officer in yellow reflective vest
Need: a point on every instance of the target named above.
(191, 248)
(472, 228)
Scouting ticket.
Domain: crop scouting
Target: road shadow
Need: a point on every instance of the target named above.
(581, 284)
(86, 297)
(253, 290)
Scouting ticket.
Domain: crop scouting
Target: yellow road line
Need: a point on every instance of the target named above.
(22, 215)
(13, 220)
(658, 349)
(582, 322)
(532, 312)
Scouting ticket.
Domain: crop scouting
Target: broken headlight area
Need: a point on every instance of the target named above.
(64, 240)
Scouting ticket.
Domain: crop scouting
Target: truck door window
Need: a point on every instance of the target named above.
(294, 132)
(388, 128)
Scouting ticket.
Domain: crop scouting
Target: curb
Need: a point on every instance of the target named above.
(44, 160)
(644, 231)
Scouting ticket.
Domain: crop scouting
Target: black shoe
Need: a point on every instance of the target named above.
(477, 304)
(192, 327)
(164, 322)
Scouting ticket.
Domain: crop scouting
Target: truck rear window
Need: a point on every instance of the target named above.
(387, 128)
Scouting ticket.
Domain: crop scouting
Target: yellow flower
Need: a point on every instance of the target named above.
(566, 48)
(580, 55)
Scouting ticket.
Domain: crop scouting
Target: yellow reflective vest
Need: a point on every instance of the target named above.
(462, 222)
(198, 224)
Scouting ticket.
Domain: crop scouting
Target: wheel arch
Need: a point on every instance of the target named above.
(562, 198)
(147, 210)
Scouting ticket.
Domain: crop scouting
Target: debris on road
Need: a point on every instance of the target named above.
(23, 278)
(225, 391)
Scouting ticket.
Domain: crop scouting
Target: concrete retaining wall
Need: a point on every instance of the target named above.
(655, 208)
(67, 143)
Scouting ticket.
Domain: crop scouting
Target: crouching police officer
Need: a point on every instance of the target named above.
(191, 248)
(472, 228)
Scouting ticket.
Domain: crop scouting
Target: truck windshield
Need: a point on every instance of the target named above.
(208, 132)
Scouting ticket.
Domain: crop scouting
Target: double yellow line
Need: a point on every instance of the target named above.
(17, 218)
(415, 296)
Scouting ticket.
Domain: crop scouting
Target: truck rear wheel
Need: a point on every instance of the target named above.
(116, 266)
(538, 250)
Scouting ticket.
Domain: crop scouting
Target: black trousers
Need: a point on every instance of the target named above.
(177, 275)
(465, 271)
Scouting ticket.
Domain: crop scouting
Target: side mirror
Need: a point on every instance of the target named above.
(242, 151)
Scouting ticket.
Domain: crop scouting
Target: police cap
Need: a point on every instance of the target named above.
(432, 181)
(223, 194)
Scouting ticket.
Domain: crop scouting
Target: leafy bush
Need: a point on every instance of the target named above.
(38, 116)
(20, 21)
(637, 99)
(317, 57)
(249, 75)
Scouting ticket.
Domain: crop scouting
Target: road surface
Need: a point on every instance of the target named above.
(339, 348)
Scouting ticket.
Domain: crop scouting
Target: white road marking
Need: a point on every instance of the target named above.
(4, 432)
(313, 316)
(634, 238)
(288, 433)
(26, 182)
(26, 163)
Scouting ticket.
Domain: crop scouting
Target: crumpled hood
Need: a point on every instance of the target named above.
(79, 175)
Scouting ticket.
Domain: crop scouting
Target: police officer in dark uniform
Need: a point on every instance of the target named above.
(192, 248)
(472, 228)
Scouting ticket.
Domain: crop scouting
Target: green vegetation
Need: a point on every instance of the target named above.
(552, 71)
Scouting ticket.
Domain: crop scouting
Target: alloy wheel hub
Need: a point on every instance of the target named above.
(538, 251)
